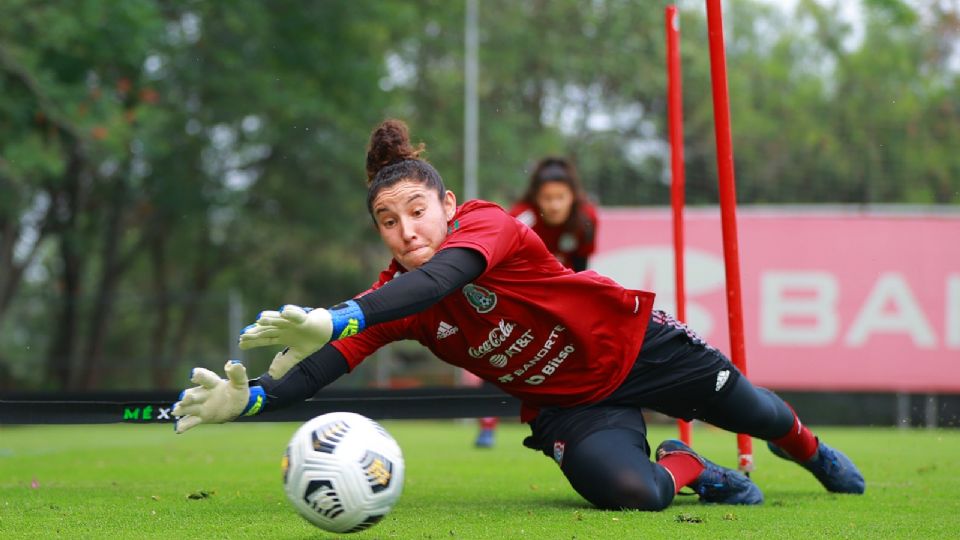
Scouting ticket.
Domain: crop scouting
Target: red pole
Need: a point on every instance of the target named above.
(728, 206)
(675, 122)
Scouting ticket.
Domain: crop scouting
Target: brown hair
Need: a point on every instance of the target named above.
(392, 158)
(557, 169)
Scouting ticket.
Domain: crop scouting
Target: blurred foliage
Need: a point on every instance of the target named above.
(159, 158)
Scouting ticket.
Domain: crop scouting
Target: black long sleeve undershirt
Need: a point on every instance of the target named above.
(409, 293)
(415, 291)
(305, 379)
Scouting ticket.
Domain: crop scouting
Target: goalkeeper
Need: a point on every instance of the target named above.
(582, 354)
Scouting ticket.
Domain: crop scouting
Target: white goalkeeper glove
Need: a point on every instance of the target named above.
(302, 331)
(216, 400)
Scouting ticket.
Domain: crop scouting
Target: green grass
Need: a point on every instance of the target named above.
(129, 481)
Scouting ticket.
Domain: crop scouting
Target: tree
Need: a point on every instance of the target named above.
(157, 157)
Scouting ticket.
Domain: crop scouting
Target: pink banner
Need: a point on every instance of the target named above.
(832, 299)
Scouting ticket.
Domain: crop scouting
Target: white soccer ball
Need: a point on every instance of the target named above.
(343, 472)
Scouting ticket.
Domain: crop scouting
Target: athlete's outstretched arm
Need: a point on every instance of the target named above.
(218, 400)
(304, 331)
(304, 380)
(293, 375)
(413, 292)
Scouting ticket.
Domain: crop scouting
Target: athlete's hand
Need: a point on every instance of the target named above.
(216, 400)
(302, 331)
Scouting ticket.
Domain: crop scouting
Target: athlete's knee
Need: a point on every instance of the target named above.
(636, 492)
(636, 496)
(611, 469)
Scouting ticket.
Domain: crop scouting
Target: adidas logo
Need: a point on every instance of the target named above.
(445, 330)
(722, 377)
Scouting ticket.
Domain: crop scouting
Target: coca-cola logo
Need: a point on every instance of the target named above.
(495, 338)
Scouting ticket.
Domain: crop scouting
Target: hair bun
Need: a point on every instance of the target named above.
(390, 143)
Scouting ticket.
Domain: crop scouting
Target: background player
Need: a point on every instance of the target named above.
(581, 353)
(555, 206)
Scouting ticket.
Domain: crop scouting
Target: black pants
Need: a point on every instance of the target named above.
(602, 447)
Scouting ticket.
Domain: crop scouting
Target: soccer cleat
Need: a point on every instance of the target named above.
(715, 484)
(484, 439)
(831, 467)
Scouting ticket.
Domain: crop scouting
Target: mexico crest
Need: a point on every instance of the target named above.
(482, 300)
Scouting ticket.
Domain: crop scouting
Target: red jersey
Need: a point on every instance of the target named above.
(539, 331)
(564, 244)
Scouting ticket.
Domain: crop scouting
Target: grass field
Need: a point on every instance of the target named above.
(135, 481)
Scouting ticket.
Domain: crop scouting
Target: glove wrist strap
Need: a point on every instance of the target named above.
(347, 319)
(256, 402)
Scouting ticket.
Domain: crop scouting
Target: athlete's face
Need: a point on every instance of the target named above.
(412, 220)
(555, 200)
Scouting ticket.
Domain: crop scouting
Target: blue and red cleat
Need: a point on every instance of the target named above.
(715, 484)
(831, 467)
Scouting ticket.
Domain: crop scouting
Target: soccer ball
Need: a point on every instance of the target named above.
(343, 472)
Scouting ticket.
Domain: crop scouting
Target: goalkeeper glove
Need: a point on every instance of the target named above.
(217, 400)
(302, 330)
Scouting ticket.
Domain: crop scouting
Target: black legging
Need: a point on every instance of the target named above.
(748, 409)
(612, 470)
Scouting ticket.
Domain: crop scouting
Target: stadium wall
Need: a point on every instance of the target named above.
(835, 299)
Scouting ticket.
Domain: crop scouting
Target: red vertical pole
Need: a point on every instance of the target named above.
(728, 206)
(675, 123)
